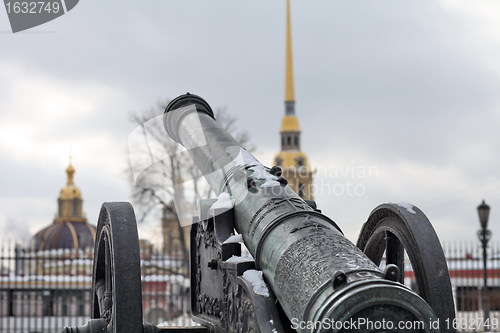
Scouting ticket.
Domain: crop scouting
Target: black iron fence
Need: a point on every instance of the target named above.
(465, 265)
(46, 290)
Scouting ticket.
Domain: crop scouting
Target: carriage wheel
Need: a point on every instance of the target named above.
(116, 281)
(393, 229)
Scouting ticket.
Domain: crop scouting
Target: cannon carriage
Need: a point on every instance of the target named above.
(302, 274)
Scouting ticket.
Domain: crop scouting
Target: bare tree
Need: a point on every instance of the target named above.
(164, 179)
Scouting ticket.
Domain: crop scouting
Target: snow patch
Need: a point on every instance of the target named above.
(243, 157)
(237, 259)
(261, 173)
(407, 206)
(255, 278)
(224, 201)
(234, 239)
(270, 183)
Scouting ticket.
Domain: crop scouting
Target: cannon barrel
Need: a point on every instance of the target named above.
(312, 269)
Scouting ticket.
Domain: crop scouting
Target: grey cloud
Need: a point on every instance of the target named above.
(378, 81)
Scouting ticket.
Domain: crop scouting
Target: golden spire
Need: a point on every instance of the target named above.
(70, 191)
(70, 200)
(289, 88)
(70, 171)
(291, 159)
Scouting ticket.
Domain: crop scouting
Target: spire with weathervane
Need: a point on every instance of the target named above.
(291, 159)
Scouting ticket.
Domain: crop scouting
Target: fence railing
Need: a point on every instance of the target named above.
(45, 291)
(465, 265)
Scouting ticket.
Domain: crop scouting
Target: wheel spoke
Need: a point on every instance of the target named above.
(394, 251)
(108, 291)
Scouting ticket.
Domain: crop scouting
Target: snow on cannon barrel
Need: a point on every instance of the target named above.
(322, 282)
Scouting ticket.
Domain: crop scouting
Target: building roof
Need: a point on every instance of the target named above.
(70, 229)
(64, 235)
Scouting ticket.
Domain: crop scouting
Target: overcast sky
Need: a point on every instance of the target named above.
(408, 90)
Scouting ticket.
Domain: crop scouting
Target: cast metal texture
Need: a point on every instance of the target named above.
(221, 299)
(299, 250)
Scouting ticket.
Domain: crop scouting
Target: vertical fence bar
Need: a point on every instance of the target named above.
(44, 291)
(3, 299)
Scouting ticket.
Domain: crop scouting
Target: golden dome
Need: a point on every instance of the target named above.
(69, 228)
(290, 158)
(70, 191)
(290, 124)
